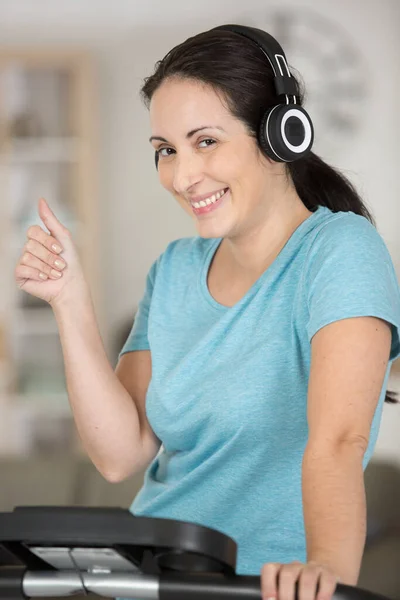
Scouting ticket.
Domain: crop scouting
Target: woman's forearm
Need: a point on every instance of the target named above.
(105, 414)
(335, 508)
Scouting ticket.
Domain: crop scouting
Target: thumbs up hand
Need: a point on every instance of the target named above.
(49, 267)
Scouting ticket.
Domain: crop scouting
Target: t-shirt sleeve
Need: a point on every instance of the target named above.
(349, 273)
(137, 338)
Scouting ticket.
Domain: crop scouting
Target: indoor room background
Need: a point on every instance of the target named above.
(74, 130)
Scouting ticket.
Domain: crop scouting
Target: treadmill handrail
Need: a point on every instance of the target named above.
(168, 586)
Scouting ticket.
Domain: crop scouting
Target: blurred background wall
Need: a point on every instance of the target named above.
(346, 53)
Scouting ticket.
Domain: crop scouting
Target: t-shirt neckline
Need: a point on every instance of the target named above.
(267, 273)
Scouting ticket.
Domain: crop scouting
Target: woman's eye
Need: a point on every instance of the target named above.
(159, 152)
(208, 140)
(166, 148)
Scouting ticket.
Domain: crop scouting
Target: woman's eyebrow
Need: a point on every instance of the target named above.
(188, 135)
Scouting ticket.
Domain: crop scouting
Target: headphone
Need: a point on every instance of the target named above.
(286, 132)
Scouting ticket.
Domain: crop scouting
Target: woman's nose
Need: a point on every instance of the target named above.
(187, 172)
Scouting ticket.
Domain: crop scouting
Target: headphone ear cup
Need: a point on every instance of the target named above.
(286, 133)
(264, 136)
(156, 159)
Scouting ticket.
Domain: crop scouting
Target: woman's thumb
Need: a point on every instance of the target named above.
(49, 218)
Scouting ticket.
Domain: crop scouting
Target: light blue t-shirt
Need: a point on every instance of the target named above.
(228, 392)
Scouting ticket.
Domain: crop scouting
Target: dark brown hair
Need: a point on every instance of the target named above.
(241, 75)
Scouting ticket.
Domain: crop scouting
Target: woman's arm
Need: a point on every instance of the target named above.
(108, 406)
(334, 508)
(349, 360)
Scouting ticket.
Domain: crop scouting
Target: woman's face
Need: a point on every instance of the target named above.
(206, 152)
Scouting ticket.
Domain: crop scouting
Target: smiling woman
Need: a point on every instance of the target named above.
(271, 333)
(252, 383)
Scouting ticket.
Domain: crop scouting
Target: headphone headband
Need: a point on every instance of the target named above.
(284, 82)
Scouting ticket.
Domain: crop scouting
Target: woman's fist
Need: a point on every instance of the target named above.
(49, 267)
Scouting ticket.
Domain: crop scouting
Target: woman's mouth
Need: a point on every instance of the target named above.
(210, 204)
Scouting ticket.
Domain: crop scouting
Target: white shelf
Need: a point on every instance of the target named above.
(43, 149)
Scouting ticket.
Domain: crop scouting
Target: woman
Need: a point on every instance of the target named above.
(260, 353)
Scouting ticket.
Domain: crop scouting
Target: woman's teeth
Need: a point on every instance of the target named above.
(211, 200)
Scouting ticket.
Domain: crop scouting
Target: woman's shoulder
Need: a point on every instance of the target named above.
(347, 244)
(345, 231)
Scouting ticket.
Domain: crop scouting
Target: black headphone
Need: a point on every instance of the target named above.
(286, 132)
